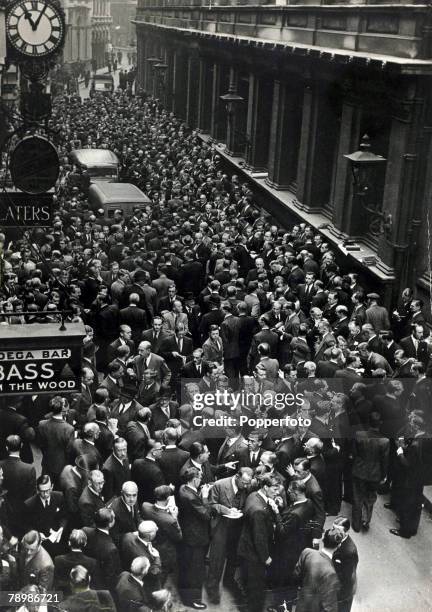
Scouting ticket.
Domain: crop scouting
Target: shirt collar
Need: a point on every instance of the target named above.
(234, 485)
(265, 498)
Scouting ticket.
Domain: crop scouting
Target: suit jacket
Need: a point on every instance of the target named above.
(14, 423)
(319, 582)
(170, 320)
(131, 596)
(112, 386)
(286, 451)
(315, 494)
(19, 480)
(421, 354)
(43, 518)
(208, 472)
(326, 369)
(101, 547)
(214, 317)
(116, 474)
(371, 456)
(171, 461)
(170, 345)
(41, 565)
(88, 601)
(265, 335)
(378, 317)
(169, 534)
(292, 536)
(257, 532)
(213, 351)
(136, 318)
(72, 486)
(124, 416)
(247, 329)
(253, 304)
(88, 504)
(81, 447)
(64, 563)
(156, 343)
(132, 546)
(105, 441)
(125, 521)
(112, 348)
(229, 331)
(345, 560)
(194, 517)
(137, 436)
(327, 341)
(221, 499)
(156, 363)
(148, 475)
(226, 453)
(54, 437)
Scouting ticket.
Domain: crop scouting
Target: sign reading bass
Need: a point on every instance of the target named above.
(38, 371)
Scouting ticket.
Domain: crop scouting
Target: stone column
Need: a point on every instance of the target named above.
(169, 79)
(235, 139)
(192, 90)
(180, 90)
(218, 119)
(258, 123)
(204, 95)
(348, 213)
(317, 140)
(284, 136)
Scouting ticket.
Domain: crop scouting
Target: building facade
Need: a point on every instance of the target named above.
(101, 32)
(78, 45)
(312, 78)
(123, 34)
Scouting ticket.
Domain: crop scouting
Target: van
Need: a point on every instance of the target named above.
(94, 164)
(113, 196)
(102, 84)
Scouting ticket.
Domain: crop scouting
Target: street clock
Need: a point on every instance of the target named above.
(35, 28)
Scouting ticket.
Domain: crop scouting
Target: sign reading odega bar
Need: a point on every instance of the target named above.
(39, 358)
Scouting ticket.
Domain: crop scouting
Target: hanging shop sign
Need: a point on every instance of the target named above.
(24, 210)
(39, 358)
(34, 165)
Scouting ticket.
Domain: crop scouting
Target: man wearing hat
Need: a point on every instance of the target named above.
(376, 315)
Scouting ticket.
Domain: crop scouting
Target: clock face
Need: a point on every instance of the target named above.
(35, 28)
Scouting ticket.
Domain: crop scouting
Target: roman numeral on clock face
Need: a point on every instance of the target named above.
(34, 5)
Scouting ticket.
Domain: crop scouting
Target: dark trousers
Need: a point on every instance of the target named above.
(345, 604)
(223, 548)
(364, 498)
(232, 370)
(254, 581)
(409, 509)
(191, 572)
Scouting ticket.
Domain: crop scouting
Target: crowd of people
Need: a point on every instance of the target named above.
(200, 292)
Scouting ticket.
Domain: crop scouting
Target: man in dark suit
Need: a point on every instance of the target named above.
(313, 492)
(319, 584)
(126, 511)
(124, 339)
(14, 423)
(113, 381)
(345, 560)
(134, 317)
(34, 562)
(46, 513)
(19, 480)
(150, 361)
(140, 544)
(199, 458)
(191, 274)
(292, 536)
(247, 329)
(176, 350)
(82, 597)
(196, 368)
(132, 592)
(287, 449)
(54, 438)
(371, 457)
(116, 469)
(172, 458)
(327, 369)
(105, 441)
(147, 473)
(162, 411)
(169, 534)
(256, 540)
(156, 335)
(226, 494)
(101, 547)
(91, 499)
(250, 456)
(85, 447)
(194, 519)
(138, 434)
(265, 336)
(63, 564)
(229, 331)
(415, 346)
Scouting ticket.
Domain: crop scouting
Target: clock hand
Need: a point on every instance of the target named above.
(37, 22)
(27, 15)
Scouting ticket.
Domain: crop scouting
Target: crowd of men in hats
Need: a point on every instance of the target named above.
(202, 291)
